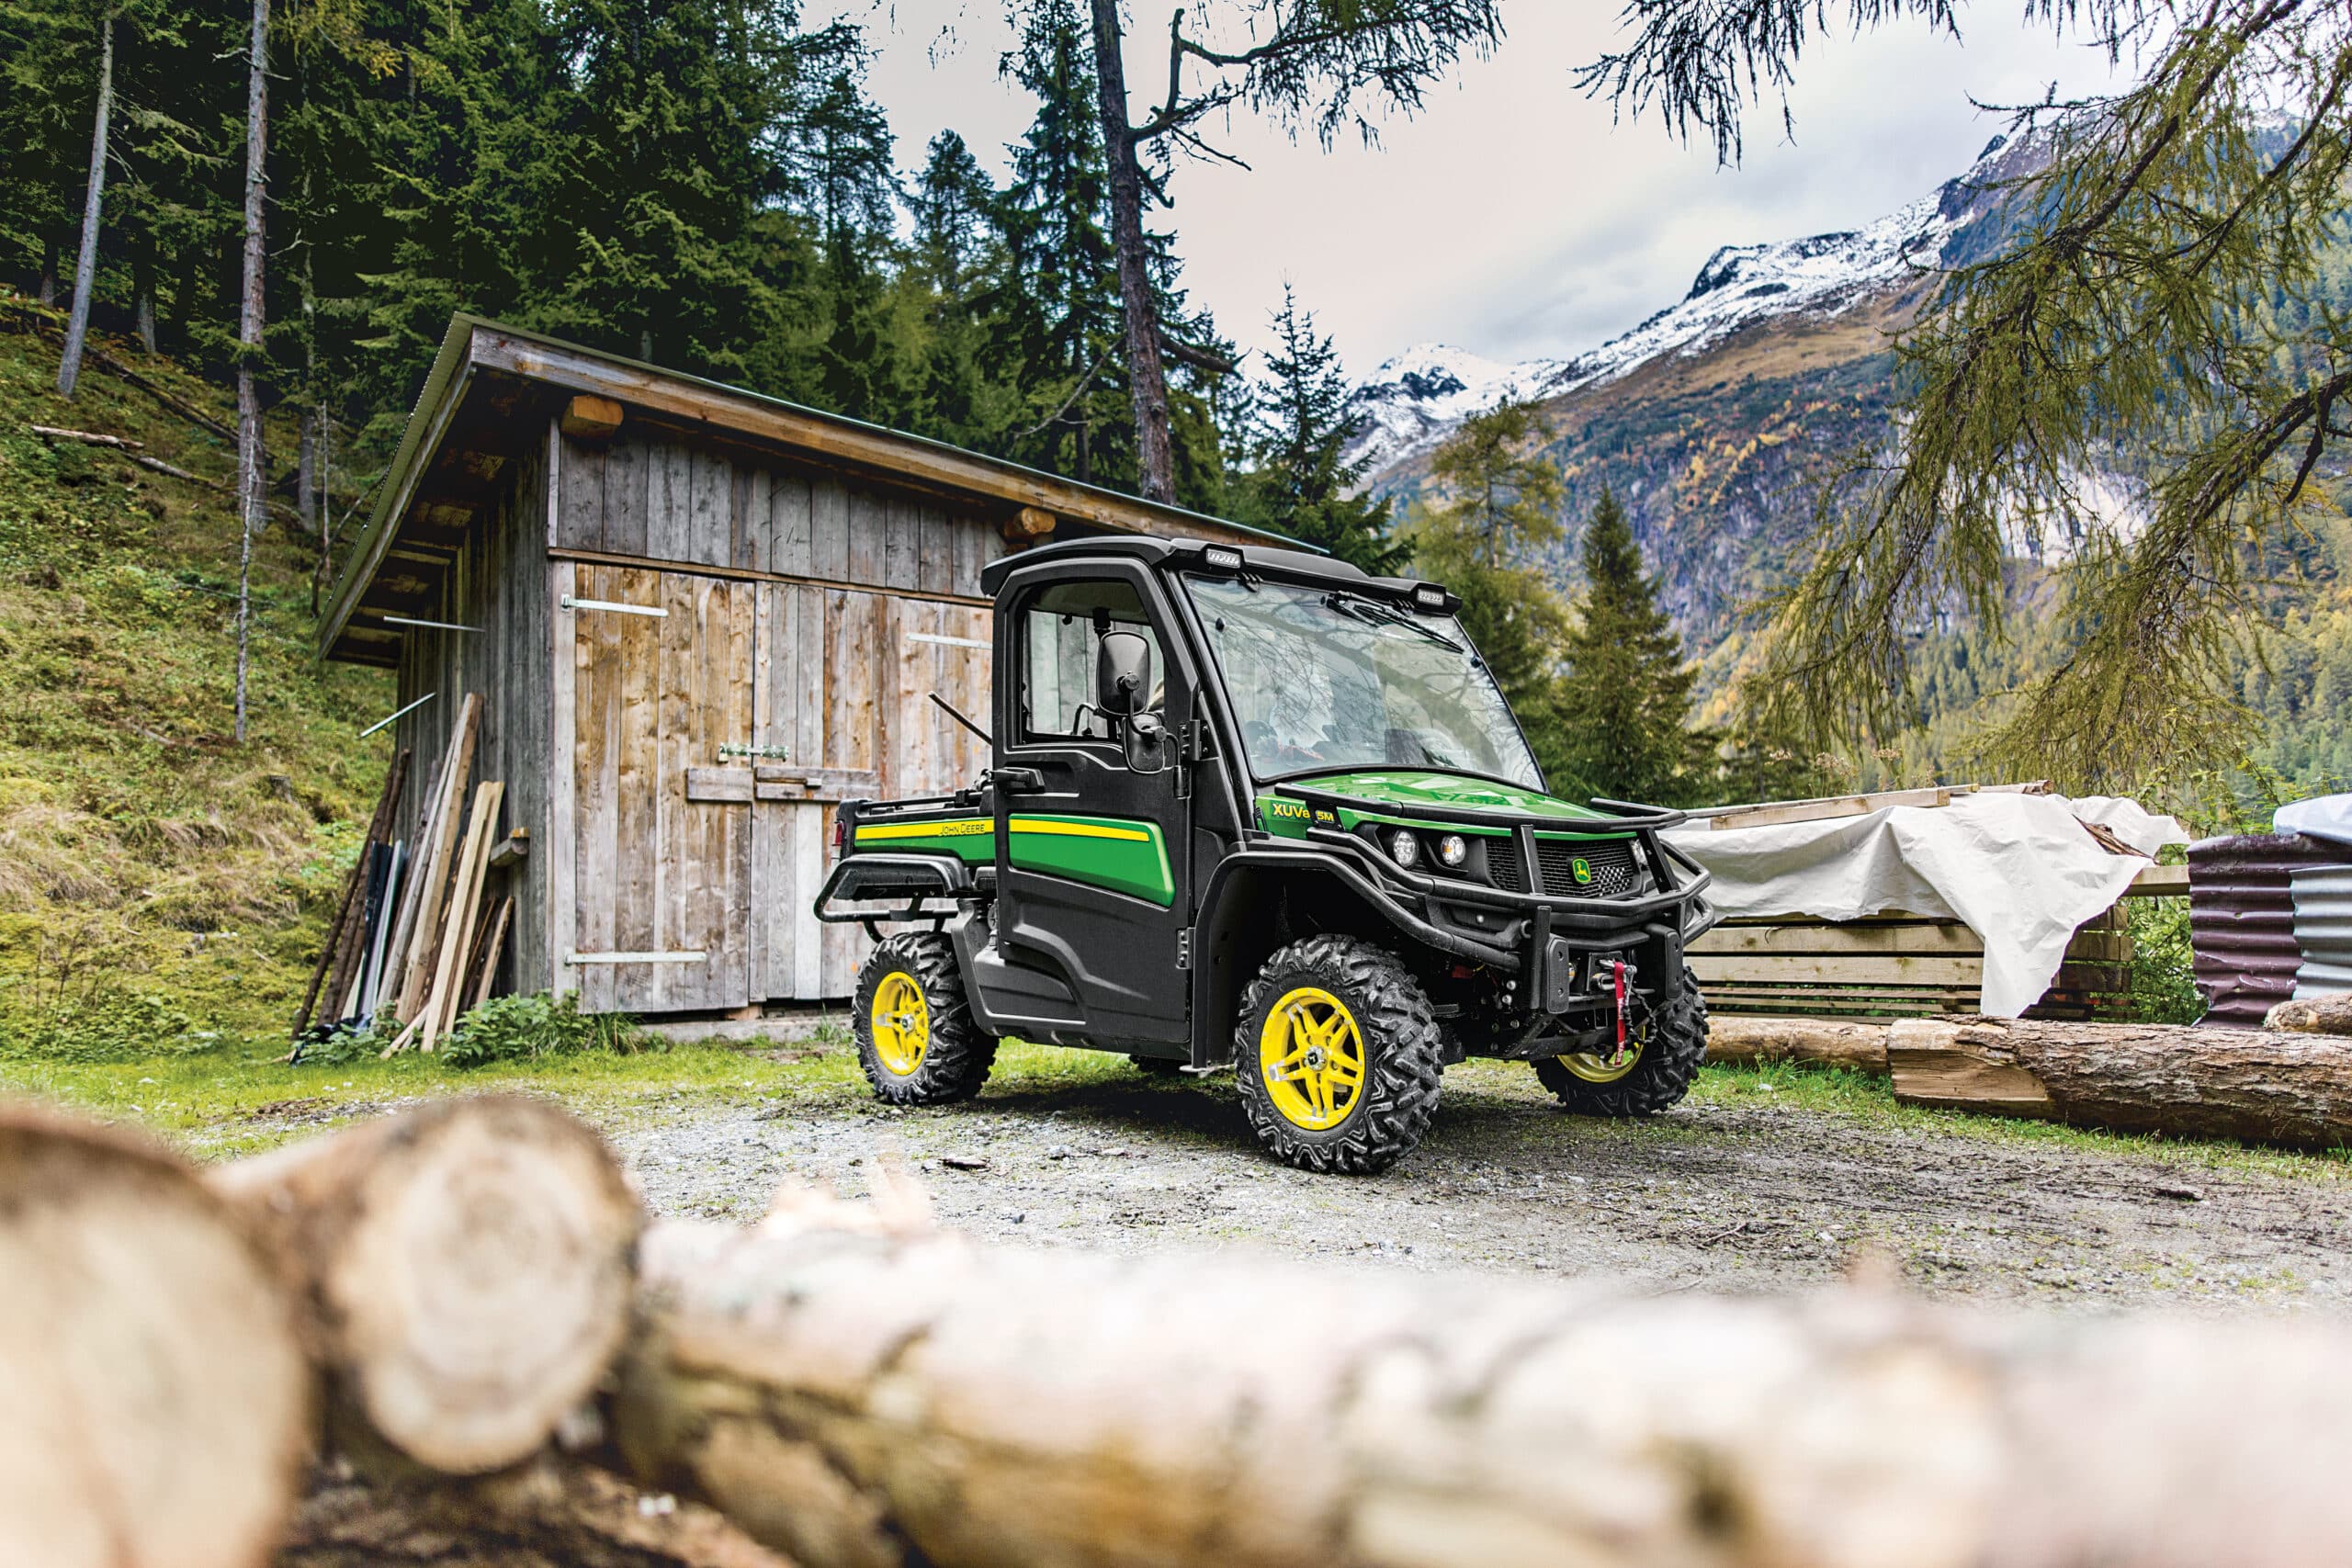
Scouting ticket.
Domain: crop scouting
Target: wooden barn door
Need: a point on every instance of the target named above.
(843, 711)
(662, 721)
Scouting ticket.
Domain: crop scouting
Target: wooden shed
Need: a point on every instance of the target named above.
(697, 617)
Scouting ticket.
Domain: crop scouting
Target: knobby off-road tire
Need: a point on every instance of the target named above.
(1677, 1047)
(1395, 1090)
(912, 983)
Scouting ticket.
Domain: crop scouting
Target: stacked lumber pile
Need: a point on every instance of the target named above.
(418, 936)
(449, 1324)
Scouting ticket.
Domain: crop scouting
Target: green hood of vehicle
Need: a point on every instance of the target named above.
(1402, 790)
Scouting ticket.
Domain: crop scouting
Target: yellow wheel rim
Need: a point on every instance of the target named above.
(1310, 1057)
(1603, 1066)
(901, 1021)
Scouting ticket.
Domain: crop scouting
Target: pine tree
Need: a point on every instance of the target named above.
(1304, 485)
(1625, 696)
(1499, 503)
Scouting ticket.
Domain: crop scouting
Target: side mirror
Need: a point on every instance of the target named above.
(1122, 673)
(1146, 739)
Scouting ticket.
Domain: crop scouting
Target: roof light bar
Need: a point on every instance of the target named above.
(1221, 558)
(1429, 596)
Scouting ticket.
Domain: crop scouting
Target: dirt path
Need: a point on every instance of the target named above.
(1735, 1193)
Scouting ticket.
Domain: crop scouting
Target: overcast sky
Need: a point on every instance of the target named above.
(1511, 217)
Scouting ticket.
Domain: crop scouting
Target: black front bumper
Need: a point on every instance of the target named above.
(1555, 947)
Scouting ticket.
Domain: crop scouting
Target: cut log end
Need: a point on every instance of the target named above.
(155, 1396)
(2312, 1015)
(470, 1265)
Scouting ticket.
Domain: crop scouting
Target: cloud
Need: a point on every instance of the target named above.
(1513, 217)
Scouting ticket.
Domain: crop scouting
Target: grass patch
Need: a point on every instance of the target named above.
(162, 887)
(1843, 1091)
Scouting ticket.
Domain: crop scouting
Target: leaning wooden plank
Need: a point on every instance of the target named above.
(154, 1406)
(432, 906)
(2250, 1084)
(857, 1396)
(464, 1270)
(493, 949)
(424, 846)
(345, 942)
(465, 902)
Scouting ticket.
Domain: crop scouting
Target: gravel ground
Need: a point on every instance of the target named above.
(1734, 1192)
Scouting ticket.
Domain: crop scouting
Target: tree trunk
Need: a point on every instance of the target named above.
(863, 1399)
(86, 266)
(153, 1402)
(464, 1271)
(251, 477)
(306, 476)
(2314, 1015)
(1147, 376)
(2251, 1084)
(1824, 1041)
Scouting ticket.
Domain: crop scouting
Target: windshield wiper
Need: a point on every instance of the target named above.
(1377, 614)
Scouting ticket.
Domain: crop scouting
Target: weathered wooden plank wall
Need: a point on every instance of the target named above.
(837, 614)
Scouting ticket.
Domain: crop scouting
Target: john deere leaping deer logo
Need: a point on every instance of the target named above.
(1581, 869)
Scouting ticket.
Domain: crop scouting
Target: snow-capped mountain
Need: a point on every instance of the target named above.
(1411, 402)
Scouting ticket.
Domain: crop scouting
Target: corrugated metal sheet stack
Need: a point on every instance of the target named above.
(2324, 927)
(2242, 918)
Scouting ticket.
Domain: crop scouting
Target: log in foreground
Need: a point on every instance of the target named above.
(864, 1399)
(2251, 1084)
(465, 1271)
(153, 1402)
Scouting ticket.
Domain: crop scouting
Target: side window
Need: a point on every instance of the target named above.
(1061, 627)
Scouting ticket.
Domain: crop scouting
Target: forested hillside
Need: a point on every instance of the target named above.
(705, 186)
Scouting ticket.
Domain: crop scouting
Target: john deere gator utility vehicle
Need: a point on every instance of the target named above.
(1253, 807)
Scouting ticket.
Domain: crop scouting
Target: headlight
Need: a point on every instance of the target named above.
(1452, 850)
(1403, 848)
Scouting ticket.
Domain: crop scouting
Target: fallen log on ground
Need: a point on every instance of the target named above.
(2250, 1084)
(863, 1398)
(1830, 1043)
(153, 1402)
(464, 1272)
(2312, 1015)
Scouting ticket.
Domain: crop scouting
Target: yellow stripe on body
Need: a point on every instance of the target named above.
(1078, 830)
(882, 831)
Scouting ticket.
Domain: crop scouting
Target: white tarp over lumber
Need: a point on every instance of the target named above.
(2016, 869)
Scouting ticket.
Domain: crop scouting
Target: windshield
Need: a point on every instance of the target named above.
(1322, 680)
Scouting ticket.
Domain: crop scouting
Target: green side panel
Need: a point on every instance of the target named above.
(1409, 787)
(969, 839)
(1110, 852)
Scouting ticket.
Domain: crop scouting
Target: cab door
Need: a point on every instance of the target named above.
(1091, 897)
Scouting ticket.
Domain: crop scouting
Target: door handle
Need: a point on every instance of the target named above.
(1018, 780)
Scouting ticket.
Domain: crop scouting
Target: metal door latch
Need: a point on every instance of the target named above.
(754, 754)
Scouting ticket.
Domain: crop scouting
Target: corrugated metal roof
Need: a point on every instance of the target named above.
(2323, 928)
(2242, 920)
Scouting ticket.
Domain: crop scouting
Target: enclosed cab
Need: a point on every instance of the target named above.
(1255, 808)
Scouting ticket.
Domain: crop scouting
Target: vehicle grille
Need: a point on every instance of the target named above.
(1610, 861)
(1504, 868)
